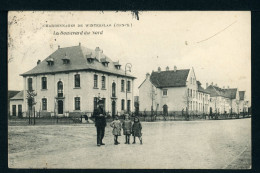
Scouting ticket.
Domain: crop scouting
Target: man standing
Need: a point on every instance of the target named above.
(100, 122)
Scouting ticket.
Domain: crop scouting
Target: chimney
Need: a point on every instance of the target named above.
(79, 44)
(167, 68)
(38, 62)
(223, 87)
(98, 53)
(147, 75)
(207, 84)
(58, 46)
(175, 68)
(216, 85)
(212, 83)
(159, 69)
(227, 86)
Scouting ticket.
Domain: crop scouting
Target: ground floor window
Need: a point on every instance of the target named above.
(44, 104)
(14, 110)
(128, 105)
(122, 104)
(95, 102)
(77, 103)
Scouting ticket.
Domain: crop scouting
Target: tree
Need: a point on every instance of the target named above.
(153, 97)
(31, 102)
(186, 100)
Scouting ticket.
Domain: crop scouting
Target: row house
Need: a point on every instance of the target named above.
(223, 100)
(172, 91)
(72, 79)
(243, 104)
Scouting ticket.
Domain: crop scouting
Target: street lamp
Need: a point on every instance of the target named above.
(129, 66)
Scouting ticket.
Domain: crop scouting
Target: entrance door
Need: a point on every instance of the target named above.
(60, 107)
(165, 110)
(20, 111)
(113, 108)
(14, 110)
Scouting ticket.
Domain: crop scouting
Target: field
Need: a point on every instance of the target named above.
(211, 144)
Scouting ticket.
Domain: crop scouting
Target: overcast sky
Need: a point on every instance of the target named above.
(216, 44)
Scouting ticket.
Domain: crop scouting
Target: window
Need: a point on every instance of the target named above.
(128, 105)
(122, 104)
(29, 84)
(44, 104)
(194, 93)
(77, 103)
(95, 102)
(128, 86)
(60, 89)
(14, 110)
(190, 80)
(104, 103)
(77, 80)
(188, 92)
(103, 82)
(191, 92)
(114, 89)
(95, 81)
(44, 83)
(165, 92)
(123, 85)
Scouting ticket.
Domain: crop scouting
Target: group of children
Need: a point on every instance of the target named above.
(128, 129)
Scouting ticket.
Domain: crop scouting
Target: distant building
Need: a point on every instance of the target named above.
(173, 91)
(70, 81)
(223, 100)
(243, 104)
(17, 105)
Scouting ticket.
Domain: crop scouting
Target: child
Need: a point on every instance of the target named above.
(127, 127)
(116, 125)
(136, 130)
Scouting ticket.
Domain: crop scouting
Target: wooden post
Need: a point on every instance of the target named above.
(29, 116)
(33, 115)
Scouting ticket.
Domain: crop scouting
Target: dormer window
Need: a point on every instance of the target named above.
(104, 61)
(89, 57)
(117, 65)
(66, 59)
(50, 61)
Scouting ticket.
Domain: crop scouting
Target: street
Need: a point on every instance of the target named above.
(211, 144)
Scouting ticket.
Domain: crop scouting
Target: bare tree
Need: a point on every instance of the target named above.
(153, 97)
(186, 100)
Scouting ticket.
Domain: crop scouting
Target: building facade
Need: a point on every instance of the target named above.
(223, 100)
(71, 80)
(172, 91)
(17, 107)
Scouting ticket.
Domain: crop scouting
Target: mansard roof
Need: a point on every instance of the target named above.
(78, 62)
(164, 79)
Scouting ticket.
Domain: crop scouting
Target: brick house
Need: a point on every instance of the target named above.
(70, 81)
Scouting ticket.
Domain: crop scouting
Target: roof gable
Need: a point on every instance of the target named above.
(171, 78)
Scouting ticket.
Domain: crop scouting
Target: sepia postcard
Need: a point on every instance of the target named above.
(129, 90)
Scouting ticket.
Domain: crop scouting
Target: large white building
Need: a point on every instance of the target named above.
(173, 91)
(70, 80)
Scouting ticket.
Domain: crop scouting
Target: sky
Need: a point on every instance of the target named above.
(216, 44)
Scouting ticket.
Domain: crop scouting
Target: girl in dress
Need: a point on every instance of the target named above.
(136, 130)
(116, 125)
(127, 128)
